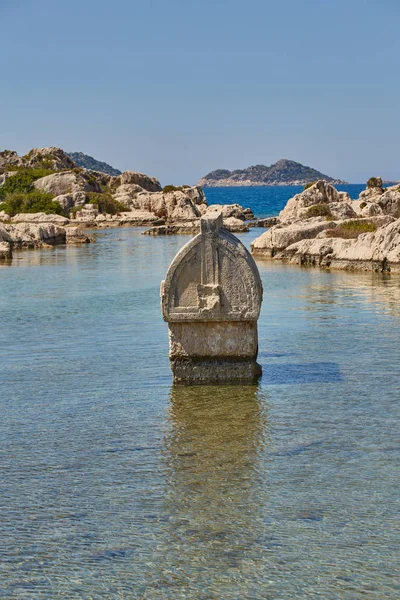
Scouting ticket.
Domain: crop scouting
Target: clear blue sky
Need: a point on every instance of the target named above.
(176, 88)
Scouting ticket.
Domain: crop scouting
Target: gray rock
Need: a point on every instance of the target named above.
(235, 225)
(68, 201)
(151, 184)
(230, 210)
(33, 235)
(67, 182)
(377, 251)
(319, 193)
(268, 222)
(389, 201)
(280, 237)
(39, 218)
(9, 157)
(75, 235)
(5, 251)
(50, 158)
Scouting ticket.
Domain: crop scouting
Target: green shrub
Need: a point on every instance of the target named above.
(106, 203)
(172, 188)
(351, 229)
(308, 185)
(23, 181)
(32, 202)
(359, 226)
(363, 205)
(319, 210)
(373, 182)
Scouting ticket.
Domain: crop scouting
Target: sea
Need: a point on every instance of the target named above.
(267, 201)
(116, 484)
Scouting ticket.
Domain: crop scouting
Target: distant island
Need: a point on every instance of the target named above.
(283, 172)
(88, 162)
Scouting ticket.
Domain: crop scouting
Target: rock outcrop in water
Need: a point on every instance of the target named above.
(283, 172)
(323, 227)
(47, 180)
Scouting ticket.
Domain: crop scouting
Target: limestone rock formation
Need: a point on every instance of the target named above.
(67, 182)
(175, 206)
(40, 218)
(75, 235)
(150, 184)
(373, 190)
(235, 225)
(5, 251)
(389, 201)
(33, 235)
(379, 251)
(50, 158)
(230, 210)
(320, 194)
(211, 299)
(279, 237)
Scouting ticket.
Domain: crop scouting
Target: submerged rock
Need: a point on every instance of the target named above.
(75, 235)
(5, 251)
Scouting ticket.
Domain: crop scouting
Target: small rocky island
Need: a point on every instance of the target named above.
(46, 199)
(283, 172)
(323, 227)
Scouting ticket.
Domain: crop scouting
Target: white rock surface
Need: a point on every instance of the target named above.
(40, 218)
(279, 237)
(151, 184)
(235, 225)
(379, 250)
(67, 182)
(320, 192)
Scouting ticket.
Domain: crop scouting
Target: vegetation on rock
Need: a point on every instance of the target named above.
(374, 182)
(22, 181)
(319, 210)
(106, 203)
(308, 185)
(173, 188)
(34, 201)
(351, 229)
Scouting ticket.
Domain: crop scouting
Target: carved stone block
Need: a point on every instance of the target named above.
(211, 299)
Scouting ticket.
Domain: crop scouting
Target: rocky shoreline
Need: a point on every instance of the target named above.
(324, 228)
(318, 227)
(70, 199)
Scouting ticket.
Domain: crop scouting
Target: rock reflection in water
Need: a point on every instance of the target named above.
(216, 497)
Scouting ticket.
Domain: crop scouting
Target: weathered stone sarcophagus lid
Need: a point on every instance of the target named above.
(211, 299)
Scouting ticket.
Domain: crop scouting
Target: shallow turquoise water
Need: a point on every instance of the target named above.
(114, 484)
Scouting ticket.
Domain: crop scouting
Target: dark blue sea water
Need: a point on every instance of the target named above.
(266, 201)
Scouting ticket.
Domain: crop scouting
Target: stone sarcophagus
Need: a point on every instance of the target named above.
(211, 299)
